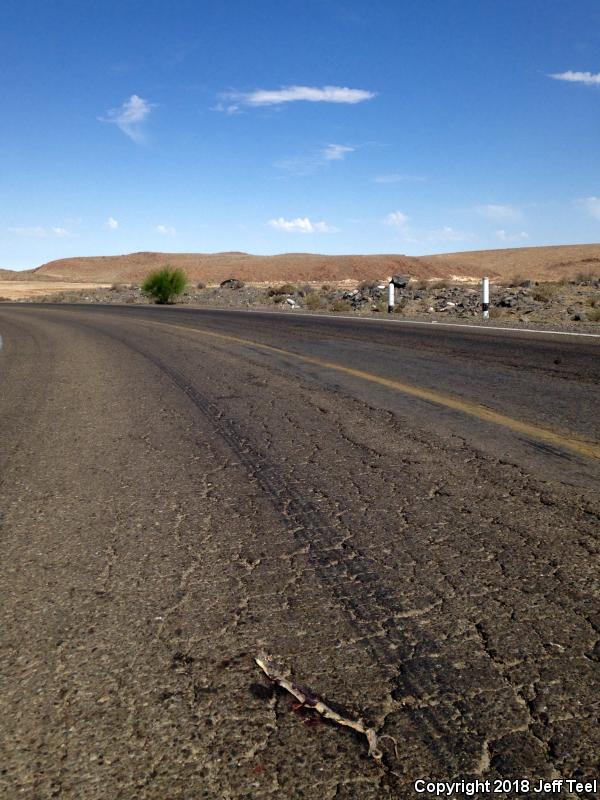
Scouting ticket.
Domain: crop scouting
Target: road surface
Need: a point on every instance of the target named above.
(407, 516)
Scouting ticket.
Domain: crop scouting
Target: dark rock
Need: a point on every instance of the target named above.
(526, 284)
(232, 283)
(400, 281)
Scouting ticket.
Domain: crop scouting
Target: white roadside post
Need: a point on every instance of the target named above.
(390, 296)
(485, 298)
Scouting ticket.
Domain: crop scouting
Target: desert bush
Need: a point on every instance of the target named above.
(200, 285)
(443, 284)
(496, 313)
(400, 305)
(593, 315)
(286, 288)
(368, 285)
(313, 301)
(164, 284)
(117, 287)
(340, 305)
(594, 301)
(422, 284)
(544, 292)
(277, 298)
(584, 277)
(517, 280)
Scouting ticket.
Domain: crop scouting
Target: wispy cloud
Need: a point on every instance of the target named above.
(231, 101)
(407, 233)
(130, 117)
(301, 225)
(112, 224)
(165, 230)
(309, 164)
(39, 232)
(587, 78)
(504, 236)
(591, 206)
(448, 234)
(498, 213)
(337, 152)
(29, 231)
(396, 219)
(395, 177)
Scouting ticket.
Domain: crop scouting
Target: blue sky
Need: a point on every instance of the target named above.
(333, 126)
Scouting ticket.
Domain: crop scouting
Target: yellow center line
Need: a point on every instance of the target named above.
(567, 442)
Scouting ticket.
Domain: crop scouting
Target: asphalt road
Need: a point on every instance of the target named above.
(407, 516)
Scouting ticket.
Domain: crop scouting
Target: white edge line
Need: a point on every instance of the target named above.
(456, 325)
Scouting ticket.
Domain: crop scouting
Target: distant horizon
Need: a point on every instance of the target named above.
(381, 254)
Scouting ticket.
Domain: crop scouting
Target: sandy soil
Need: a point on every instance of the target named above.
(18, 290)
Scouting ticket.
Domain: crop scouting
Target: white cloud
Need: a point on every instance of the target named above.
(394, 177)
(336, 152)
(165, 230)
(310, 163)
(292, 94)
(497, 212)
(34, 232)
(449, 234)
(130, 117)
(301, 225)
(587, 78)
(39, 232)
(226, 108)
(407, 233)
(511, 237)
(591, 205)
(112, 224)
(396, 219)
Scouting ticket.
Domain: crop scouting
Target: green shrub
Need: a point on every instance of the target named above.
(164, 284)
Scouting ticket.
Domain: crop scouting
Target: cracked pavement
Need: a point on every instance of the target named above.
(172, 504)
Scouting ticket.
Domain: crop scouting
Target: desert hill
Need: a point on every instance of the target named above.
(538, 263)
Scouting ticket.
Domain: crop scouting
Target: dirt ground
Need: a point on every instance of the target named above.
(534, 263)
(31, 289)
(564, 305)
